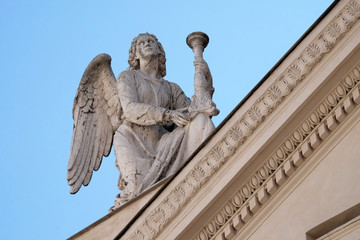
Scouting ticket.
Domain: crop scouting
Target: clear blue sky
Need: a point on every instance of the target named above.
(46, 46)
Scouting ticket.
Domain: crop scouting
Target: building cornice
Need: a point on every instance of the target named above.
(310, 134)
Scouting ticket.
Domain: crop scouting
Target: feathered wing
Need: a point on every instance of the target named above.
(96, 112)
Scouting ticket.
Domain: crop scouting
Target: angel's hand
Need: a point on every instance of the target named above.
(202, 67)
(179, 118)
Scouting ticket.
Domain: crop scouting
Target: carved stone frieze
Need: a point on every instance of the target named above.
(284, 161)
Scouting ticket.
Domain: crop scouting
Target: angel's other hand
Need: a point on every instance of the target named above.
(179, 118)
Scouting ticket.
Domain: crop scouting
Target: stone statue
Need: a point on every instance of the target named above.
(149, 121)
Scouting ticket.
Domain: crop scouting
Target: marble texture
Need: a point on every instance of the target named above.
(152, 125)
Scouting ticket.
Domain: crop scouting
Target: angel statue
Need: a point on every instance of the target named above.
(145, 118)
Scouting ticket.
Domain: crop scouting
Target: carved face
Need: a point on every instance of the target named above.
(146, 47)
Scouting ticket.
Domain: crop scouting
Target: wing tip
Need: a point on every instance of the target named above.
(73, 190)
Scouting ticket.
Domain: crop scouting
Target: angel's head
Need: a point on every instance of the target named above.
(134, 61)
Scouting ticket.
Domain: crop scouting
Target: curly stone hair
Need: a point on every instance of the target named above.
(134, 62)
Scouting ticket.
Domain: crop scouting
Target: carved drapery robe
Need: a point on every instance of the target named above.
(146, 147)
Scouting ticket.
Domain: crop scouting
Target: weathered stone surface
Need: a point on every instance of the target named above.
(154, 125)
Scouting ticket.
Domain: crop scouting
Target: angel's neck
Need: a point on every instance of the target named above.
(150, 67)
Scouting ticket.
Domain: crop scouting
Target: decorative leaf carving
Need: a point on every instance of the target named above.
(334, 30)
(179, 194)
(217, 154)
(236, 133)
(274, 93)
(353, 8)
(254, 114)
(294, 72)
(198, 173)
(313, 50)
(158, 216)
(137, 236)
